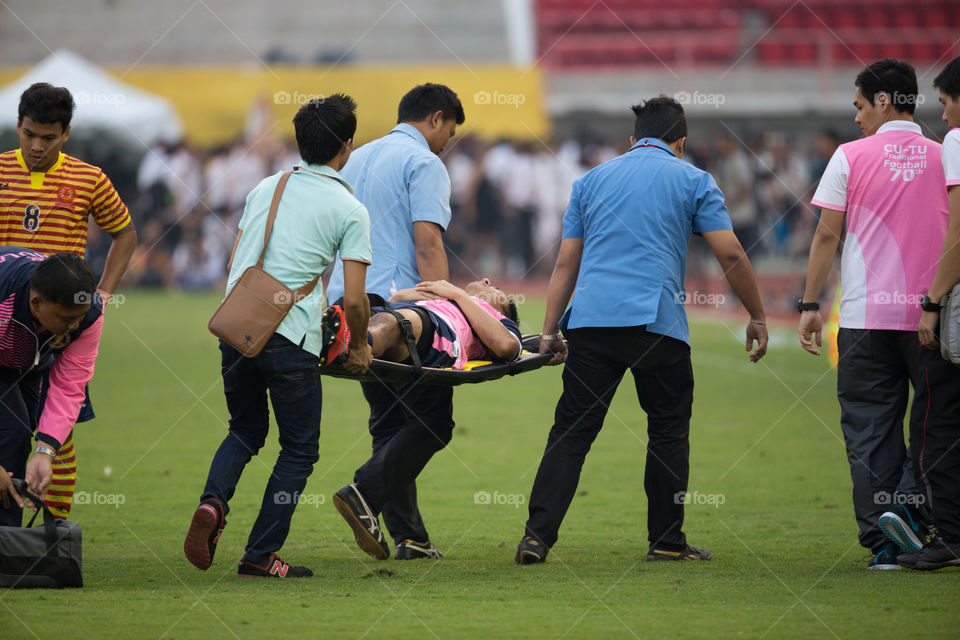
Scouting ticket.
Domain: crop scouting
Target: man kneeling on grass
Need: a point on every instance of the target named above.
(450, 326)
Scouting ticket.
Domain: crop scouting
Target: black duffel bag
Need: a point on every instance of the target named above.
(46, 556)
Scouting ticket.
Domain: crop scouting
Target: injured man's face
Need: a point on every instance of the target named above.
(494, 296)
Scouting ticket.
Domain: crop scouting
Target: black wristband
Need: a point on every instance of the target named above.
(929, 305)
(807, 306)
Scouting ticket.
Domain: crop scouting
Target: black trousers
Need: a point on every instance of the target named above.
(19, 413)
(596, 363)
(935, 440)
(874, 374)
(408, 424)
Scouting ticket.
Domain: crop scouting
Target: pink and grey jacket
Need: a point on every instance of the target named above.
(23, 346)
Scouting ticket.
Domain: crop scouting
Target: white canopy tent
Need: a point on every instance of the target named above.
(103, 102)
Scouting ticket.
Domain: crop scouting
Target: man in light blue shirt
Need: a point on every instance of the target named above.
(624, 249)
(317, 216)
(406, 189)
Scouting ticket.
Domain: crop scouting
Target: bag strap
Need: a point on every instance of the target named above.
(271, 216)
(406, 329)
(49, 521)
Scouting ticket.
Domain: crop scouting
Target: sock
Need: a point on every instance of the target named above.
(60, 496)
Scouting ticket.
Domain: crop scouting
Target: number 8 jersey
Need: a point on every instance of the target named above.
(48, 211)
(892, 189)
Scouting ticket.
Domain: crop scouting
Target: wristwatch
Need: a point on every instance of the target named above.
(47, 450)
(807, 306)
(929, 305)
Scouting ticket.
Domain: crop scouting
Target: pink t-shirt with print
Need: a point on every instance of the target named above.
(891, 187)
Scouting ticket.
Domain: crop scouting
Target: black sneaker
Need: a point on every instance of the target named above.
(904, 527)
(885, 558)
(364, 522)
(655, 554)
(413, 550)
(271, 566)
(201, 542)
(936, 555)
(531, 551)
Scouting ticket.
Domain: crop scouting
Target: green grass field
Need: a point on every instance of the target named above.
(765, 442)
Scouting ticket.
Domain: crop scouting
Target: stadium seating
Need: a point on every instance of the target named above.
(620, 33)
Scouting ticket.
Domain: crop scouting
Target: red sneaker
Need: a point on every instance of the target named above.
(205, 529)
(271, 566)
(336, 334)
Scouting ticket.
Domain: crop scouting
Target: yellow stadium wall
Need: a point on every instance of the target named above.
(213, 102)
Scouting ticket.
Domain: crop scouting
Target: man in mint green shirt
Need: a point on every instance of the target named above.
(316, 218)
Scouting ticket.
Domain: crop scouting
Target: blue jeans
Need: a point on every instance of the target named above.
(292, 377)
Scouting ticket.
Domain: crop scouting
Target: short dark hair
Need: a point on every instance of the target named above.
(64, 279)
(45, 103)
(896, 78)
(948, 80)
(323, 126)
(426, 99)
(661, 117)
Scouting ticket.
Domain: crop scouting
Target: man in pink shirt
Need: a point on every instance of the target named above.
(48, 306)
(935, 420)
(887, 189)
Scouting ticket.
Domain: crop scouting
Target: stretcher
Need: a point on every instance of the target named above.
(473, 372)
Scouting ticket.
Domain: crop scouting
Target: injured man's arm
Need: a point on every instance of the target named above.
(450, 325)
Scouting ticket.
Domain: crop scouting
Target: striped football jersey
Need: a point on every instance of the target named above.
(48, 211)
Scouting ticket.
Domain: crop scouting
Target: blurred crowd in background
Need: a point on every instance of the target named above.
(508, 199)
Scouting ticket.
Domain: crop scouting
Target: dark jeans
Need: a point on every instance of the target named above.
(19, 413)
(292, 377)
(935, 440)
(874, 372)
(596, 363)
(408, 423)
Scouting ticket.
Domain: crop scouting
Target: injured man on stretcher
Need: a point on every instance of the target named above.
(450, 326)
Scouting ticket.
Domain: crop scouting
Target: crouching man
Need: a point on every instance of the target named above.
(49, 308)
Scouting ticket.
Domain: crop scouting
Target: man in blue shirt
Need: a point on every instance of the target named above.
(317, 218)
(624, 249)
(406, 189)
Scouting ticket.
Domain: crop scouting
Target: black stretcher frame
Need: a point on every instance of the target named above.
(397, 373)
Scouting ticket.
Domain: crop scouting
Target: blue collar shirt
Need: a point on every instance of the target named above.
(635, 214)
(400, 181)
